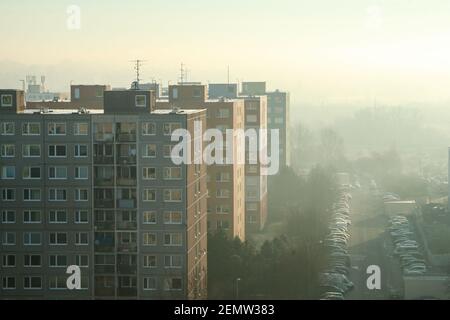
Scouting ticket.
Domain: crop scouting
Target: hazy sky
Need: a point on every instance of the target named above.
(320, 50)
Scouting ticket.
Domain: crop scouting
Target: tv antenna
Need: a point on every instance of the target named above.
(137, 68)
(183, 73)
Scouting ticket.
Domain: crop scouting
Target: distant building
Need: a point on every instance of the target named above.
(98, 189)
(222, 90)
(81, 96)
(278, 105)
(253, 88)
(37, 92)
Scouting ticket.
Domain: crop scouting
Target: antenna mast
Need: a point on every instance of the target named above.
(183, 73)
(137, 67)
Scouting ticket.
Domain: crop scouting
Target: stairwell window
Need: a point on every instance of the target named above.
(57, 129)
(141, 101)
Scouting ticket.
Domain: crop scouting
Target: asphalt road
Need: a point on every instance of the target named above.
(370, 244)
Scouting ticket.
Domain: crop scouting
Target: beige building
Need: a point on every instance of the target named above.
(226, 182)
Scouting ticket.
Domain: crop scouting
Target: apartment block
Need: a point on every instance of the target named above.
(255, 180)
(278, 108)
(99, 189)
(226, 182)
(253, 88)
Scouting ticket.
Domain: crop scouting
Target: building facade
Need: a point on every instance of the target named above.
(99, 189)
(278, 108)
(226, 182)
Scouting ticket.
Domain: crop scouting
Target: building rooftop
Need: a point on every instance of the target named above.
(61, 111)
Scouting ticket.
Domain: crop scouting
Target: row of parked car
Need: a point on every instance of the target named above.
(406, 248)
(333, 280)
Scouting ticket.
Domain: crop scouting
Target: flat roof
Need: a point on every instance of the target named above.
(181, 111)
(61, 111)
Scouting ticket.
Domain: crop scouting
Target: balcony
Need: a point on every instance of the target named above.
(104, 182)
(126, 181)
(126, 225)
(126, 269)
(106, 269)
(127, 247)
(126, 160)
(126, 292)
(104, 226)
(103, 159)
(103, 203)
(107, 137)
(126, 137)
(126, 203)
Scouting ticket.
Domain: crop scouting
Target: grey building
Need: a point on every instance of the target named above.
(278, 108)
(222, 90)
(98, 189)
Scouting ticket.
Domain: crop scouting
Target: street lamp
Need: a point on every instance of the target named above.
(237, 288)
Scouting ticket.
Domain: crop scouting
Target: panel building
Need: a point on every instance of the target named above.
(278, 105)
(226, 182)
(99, 189)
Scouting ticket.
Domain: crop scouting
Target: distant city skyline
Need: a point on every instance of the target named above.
(396, 51)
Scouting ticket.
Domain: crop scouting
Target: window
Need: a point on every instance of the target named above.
(148, 129)
(76, 93)
(81, 238)
(149, 195)
(57, 283)
(9, 260)
(8, 172)
(57, 238)
(31, 150)
(172, 239)
(57, 260)
(32, 216)
(6, 100)
(31, 173)
(172, 173)
(8, 150)
(82, 260)
(168, 128)
(9, 283)
(57, 151)
(32, 238)
(81, 195)
(81, 216)
(7, 128)
(31, 194)
(251, 206)
(223, 113)
(173, 284)
(127, 282)
(32, 260)
(56, 173)
(81, 151)
(172, 261)
(149, 239)
(196, 93)
(32, 283)
(175, 93)
(57, 195)
(172, 195)
(9, 194)
(150, 151)
(80, 129)
(8, 216)
(223, 177)
(149, 283)
(149, 173)
(222, 209)
(149, 261)
(140, 100)
(57, 216)
(31, 129)
(252, 118)
(223, 193)
(81, 173)
(57, 128)
(172, 217)
(149, 217)
(9, 238)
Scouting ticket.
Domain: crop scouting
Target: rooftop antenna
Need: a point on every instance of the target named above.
(137, 67)
(182, 73)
